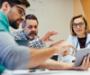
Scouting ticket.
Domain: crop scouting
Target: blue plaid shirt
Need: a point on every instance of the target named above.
(21, 38)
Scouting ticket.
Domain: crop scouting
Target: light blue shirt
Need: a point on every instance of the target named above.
(73, 40)
(12, 56)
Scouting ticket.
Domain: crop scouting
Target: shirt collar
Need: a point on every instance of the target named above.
(4, 22)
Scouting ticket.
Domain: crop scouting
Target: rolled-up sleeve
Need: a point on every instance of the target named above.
(13, 56)
(17, 57)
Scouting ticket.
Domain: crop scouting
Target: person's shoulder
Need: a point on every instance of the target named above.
(17, 33)
(71, 36)
(6, 38)
(5, 35)
(88, 34)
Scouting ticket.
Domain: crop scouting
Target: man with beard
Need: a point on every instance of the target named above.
(28, 36)
(13, 56)
(29, 33)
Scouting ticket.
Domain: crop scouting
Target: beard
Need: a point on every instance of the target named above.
(32, 35)
(13, 24)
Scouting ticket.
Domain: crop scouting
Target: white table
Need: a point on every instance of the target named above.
(62, 72)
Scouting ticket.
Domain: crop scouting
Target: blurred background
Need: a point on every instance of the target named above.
(56, 14)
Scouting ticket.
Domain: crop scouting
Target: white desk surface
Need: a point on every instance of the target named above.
(62, 72)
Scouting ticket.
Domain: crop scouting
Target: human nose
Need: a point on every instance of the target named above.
(78, 26)
(33, 29)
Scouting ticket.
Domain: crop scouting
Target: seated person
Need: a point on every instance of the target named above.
(13, 56)
(29, 33)
(80, 37)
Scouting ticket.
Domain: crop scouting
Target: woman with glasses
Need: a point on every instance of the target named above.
(79, 38)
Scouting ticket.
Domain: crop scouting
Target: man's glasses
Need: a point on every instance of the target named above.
(21, 10)
(80, 24)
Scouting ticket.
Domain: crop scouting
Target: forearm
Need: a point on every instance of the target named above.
(55, 65)
(39, 56)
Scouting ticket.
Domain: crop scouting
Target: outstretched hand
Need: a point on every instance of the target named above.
(62, 47)
(86, 62)
(48, 35)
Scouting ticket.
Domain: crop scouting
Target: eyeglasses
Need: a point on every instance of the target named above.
(80, 24)
(21, 10)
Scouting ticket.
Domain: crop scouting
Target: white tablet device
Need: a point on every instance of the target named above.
(80, 55)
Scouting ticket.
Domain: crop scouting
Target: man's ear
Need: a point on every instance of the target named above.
(6, 7)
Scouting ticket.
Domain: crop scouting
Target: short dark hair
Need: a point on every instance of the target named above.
(72, 20)
(30, 17)
(14, 2)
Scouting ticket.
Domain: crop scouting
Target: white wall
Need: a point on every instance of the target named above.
(52, 15)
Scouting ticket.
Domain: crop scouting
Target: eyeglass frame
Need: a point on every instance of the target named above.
(80, 24)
